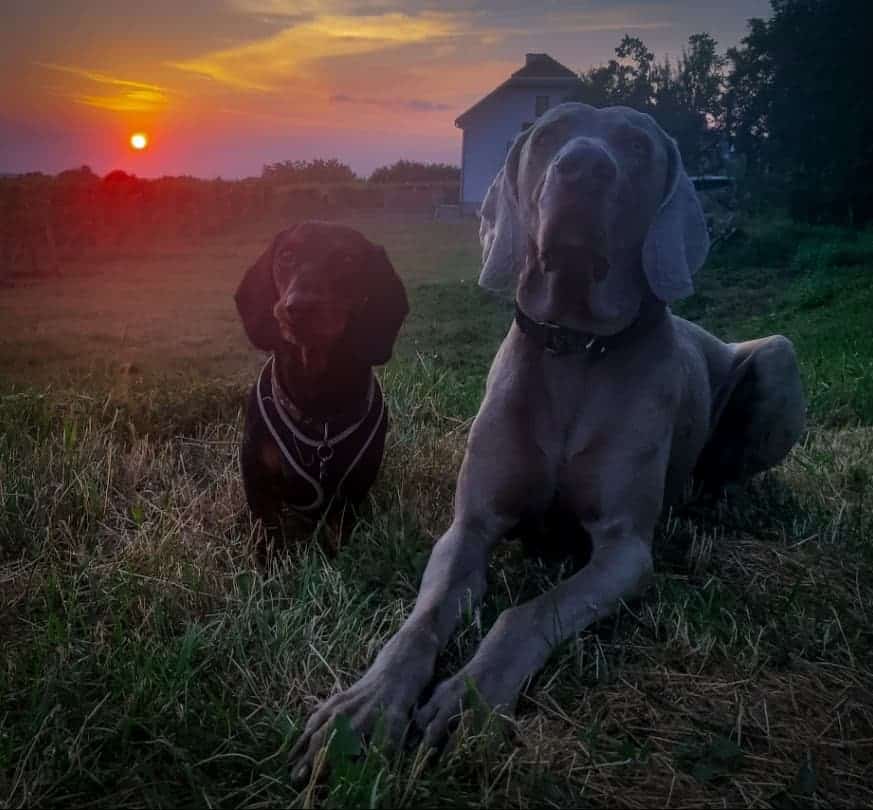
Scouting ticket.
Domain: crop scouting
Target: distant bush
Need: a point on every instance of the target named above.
(47, 223)
(308, 171)
(410, 171)
(84, 175)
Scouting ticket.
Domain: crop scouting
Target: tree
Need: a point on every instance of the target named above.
(410, 171)
(628, 83)
(688, 101)
(699, 79)
(800, 87)
(685, 100)
(308, 171)
(748, 94)
(638, 88)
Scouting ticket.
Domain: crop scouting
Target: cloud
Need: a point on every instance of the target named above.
(134, 101)
(269, 64)
(101, 78)
(493, 20)
(302, 9)
(308, 8)
(132, 96)
(410, 104)
(421, 105)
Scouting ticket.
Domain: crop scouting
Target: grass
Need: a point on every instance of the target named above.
(811, 284)
(147, 660)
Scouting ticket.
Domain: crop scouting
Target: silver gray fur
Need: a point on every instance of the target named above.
(595, 225)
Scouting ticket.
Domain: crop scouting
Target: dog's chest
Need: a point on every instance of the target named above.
(317, 463)
(597, 409)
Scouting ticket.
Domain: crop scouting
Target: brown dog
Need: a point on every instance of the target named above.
(327, 304)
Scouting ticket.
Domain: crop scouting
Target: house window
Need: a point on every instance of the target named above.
(542, 104)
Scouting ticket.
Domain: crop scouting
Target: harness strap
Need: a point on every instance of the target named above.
(275, 432)
(279, 397)
(376, 425)
(316, 486)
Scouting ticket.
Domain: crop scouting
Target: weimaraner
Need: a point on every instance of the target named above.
(600, 403)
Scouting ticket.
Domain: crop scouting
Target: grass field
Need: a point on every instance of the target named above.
(147, 660)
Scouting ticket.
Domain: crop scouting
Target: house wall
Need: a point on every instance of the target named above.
(487, 138)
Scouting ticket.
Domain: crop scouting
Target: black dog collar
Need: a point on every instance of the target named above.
(557, 339)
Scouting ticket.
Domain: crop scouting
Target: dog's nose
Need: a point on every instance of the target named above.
(586, 163)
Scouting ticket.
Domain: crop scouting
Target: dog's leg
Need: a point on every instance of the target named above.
(261, 483)
(523, 637)
(762, 415)
(617, 497)
(455, 574)
(493, 488)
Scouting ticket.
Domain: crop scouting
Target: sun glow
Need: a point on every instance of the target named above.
(139, 141)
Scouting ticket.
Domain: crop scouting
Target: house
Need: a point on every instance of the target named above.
(490, 125)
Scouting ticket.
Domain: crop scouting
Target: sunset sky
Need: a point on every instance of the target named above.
(222, 87)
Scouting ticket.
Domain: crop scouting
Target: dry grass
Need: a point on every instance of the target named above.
(147, 660)
(171, 311)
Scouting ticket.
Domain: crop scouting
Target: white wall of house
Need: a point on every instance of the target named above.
(487, 139)
(492, 127)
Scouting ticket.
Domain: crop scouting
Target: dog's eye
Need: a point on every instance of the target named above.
(543, 138)
(640, 145)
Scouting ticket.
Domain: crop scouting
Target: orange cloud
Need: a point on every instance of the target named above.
(102, 78)
(133, 101)
(268, 64)
(132, 96)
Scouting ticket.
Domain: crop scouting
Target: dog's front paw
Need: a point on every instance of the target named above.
(382, 699)
(439, 716)
(364, 707)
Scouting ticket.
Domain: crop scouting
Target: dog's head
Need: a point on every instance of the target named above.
(594, 208)
(323, 290)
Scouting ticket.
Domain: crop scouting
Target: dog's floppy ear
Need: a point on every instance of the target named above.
(255, 298)
(375, 328)
(677, 242)
(501, 232)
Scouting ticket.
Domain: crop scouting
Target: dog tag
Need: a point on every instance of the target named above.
(325, 453)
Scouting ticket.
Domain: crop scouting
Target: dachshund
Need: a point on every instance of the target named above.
(327, 305)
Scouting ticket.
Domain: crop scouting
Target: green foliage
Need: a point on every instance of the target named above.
(411, 171)
(797, 95)
(811, 283)
(685, 99)
(295, 172)
(792, 99)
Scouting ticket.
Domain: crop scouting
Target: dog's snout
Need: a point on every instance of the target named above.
(586, 163)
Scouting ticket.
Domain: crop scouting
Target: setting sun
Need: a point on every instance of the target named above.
(139, 141)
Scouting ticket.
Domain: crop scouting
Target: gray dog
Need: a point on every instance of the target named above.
(600, 403)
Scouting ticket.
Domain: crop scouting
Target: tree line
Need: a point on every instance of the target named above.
(50, 224)
(302, 172)
(792, 102)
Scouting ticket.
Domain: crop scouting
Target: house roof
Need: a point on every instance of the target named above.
(539, 69)
(540, 65)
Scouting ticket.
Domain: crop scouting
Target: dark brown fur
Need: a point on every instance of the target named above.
(328, 305)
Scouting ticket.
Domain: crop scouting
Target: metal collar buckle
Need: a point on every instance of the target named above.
(555, 338)
(560, 340)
